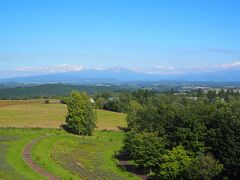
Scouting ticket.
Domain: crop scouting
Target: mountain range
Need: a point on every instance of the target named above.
(125, 75)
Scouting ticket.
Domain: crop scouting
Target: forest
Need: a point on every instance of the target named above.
(189, 137)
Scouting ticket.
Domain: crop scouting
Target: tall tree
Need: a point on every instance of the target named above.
(81, 118)
(224, 137)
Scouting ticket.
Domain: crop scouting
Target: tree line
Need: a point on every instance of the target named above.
(169, 136)
(119, 101)
(174, 137)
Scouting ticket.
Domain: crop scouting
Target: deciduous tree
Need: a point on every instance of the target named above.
(81, 117)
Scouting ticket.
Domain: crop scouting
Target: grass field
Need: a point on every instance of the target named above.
(12, 142)
(74, 157)
(34, 113)
(65, 155)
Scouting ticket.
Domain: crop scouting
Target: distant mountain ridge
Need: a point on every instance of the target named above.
(124, 75)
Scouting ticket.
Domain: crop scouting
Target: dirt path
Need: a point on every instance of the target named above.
(27, 157)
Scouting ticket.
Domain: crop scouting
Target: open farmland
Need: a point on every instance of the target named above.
(63, 154)
(34, 113)
(74, 157)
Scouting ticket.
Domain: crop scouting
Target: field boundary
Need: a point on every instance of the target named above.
(26, 154)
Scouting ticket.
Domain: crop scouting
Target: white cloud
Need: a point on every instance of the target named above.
(232, 65)
(195, 69)
(160, 69)
(49, 69)
(165, 67)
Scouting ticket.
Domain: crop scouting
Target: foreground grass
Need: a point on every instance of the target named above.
(89, 156)
(74, 157)
(34, 113)
(65, 155)
(12, 142)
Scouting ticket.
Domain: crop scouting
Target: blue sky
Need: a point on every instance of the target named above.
(171, 36)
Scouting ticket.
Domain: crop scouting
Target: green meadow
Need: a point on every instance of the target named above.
(63, 154)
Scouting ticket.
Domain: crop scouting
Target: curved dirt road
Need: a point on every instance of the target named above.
(28, 159)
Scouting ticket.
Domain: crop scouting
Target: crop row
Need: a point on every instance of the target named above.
(84, 159)
(6, 171)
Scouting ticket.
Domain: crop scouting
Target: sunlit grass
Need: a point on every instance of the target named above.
(73, 157)
(34, 113)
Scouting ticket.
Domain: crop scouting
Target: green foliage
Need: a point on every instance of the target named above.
(142, 96)
(145, 149)
(50, 90)
(175, 162)
(120, 101)
(132, 115)
(81, 118)
(178, 123)
(64, 100)
(183, 127)
(201, 126)
(113, 104)
(204, 167)
(224, 136)
(99, 102)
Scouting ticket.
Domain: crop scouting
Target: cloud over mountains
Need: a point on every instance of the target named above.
(160, 69)
(78, 74)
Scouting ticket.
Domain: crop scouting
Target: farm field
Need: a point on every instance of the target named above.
(74, 157)
(34, 113)
(65, 155)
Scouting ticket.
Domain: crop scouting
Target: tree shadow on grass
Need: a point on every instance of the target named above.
(125, 129)
(66, 128)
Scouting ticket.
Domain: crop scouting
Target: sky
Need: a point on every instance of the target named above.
(152, 36)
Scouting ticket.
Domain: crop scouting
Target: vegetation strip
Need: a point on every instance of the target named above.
(27, 157)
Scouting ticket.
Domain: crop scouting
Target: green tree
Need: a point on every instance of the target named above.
(132, 115)
(99, 103)
(183, 127)
(81, 117)
(175, 162)
(145, 149)
(204, 167)
(223, 137)
(212, 95)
